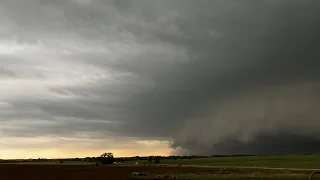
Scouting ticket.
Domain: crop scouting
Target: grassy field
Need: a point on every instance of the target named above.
(276, 161)
(251, 176)
(240, 176)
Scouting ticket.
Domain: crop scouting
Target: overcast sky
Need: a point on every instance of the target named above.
(130, 76)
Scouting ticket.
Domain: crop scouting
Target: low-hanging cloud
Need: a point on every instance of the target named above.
(212, 77)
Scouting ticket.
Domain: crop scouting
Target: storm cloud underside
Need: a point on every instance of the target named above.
(212, 77)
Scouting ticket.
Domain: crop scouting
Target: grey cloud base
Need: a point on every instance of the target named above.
(224, 77)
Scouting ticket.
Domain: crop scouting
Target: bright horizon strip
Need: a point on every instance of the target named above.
(77, 149)
(57, 154)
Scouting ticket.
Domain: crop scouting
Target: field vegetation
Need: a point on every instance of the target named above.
(272, 161)
(273, 167)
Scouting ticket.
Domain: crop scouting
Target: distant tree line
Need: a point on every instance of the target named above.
(108, 158)
(150, 159)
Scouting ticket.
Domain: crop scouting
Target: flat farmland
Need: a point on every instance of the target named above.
(271, 161)
(90, 172)
(284, 167)
(80, 172)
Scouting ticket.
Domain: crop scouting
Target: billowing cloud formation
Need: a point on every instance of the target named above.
(211, 76)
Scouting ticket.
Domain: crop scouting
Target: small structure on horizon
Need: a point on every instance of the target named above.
(139, 173)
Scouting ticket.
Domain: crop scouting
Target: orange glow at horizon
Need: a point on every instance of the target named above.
(55, 153)
(136, 148)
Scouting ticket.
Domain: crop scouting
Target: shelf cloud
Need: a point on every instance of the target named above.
(211, 77)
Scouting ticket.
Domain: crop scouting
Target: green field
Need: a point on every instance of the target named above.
(252, 176)
(275, 161)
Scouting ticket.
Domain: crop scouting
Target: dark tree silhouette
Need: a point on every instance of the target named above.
(150, 158)
(106, 158)
(157, 159)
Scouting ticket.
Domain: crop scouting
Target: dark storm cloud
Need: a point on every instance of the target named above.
(6, 73)
(213, 76)
(279, 143)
